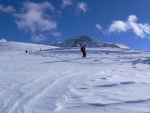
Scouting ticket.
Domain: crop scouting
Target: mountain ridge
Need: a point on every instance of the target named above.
(88, 41)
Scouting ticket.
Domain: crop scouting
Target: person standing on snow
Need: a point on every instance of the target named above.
(83, 49)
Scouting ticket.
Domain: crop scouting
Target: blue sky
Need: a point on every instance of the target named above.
(39, 21)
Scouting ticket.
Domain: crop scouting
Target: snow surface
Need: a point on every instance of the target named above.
(58, 80)
(122, 46)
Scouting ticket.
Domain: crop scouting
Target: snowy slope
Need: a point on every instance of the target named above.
(58, 80)
(18, 46)
(122, 46)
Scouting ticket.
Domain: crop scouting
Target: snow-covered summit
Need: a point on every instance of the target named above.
(90, 42)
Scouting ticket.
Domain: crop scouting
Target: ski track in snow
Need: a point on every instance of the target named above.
(60, 81)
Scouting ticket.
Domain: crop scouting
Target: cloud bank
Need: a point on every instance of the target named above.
(40, 19)
(141, 30)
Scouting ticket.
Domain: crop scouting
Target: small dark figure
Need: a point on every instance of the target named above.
(26, 51)
(83, 49)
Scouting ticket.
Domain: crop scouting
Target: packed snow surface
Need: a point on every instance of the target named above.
(59, 80)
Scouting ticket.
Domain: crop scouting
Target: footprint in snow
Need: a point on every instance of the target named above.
(107, 85)
(96, 60)
(103, 78)
(128, 82)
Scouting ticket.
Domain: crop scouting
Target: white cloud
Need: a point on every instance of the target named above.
(66, 3)
(98, 26)
(38, 38)
(8, 9)
(135, 26)
(3, 40)
(56, 34)
(141, 30)
(82, 6)
(132, 18)
(118, 26)
(34, 18)
(145, 27)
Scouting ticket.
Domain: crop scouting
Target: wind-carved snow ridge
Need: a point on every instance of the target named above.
(145, 61)
(59, 80)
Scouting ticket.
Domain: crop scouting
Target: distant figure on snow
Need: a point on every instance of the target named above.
(26, 51)
(83, 49)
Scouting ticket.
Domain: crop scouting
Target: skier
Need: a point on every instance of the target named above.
(83, 49)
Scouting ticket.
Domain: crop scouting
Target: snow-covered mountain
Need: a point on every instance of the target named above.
(90, 42)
